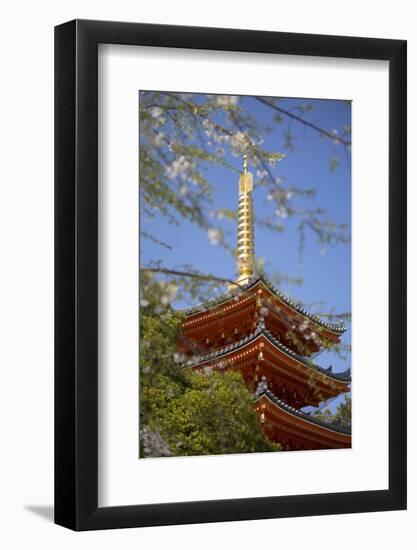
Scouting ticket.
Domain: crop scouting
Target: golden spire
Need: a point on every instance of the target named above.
(246, 241)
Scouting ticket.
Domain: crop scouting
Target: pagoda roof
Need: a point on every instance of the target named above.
(337, 328)
(296, 412)
(261, 330)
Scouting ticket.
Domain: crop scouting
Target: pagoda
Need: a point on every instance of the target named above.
(256, 330)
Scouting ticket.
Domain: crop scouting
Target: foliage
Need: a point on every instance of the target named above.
(204, 415)
(342, 416)
(183, 413)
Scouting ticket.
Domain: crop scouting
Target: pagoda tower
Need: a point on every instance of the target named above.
(255, 329)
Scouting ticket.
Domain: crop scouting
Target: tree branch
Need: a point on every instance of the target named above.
(303, 121)
(200, 276)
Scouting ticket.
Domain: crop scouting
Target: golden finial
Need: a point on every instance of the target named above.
(245, 163)
(246, 240)
(246, 179)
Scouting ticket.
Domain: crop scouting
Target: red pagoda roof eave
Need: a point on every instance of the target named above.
(221, 300)
(317, 323)
(301, 416)
(259, 333)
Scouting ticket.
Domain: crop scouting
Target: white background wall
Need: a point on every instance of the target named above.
(26, 300)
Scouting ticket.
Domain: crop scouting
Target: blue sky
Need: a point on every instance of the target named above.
(326, 273)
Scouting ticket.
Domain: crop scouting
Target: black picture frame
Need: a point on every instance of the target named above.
(76, 272)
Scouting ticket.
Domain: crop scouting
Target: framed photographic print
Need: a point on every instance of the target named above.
(230, 275)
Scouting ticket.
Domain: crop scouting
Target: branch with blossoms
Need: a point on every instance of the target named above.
(181, 134)
(343, 350)
(339, 137)
(331, 135)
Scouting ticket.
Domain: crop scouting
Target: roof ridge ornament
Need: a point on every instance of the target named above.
(262, 387)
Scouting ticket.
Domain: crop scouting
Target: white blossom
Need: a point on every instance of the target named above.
(180, 167)
(335, 141)
(208, 127)
(156, 112)
(214, 235)
(173, 145)
(240, 143)
(280, 195)
(169, 292)
(261, 173)
(282, 212)
(179, 357)
(226, 100)
(158, 139)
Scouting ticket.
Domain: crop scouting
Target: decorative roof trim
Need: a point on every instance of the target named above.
(296, 412)
(336, 328)
(261, 330)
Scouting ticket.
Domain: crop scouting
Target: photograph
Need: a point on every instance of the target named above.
(245, 274)
(207, 247)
